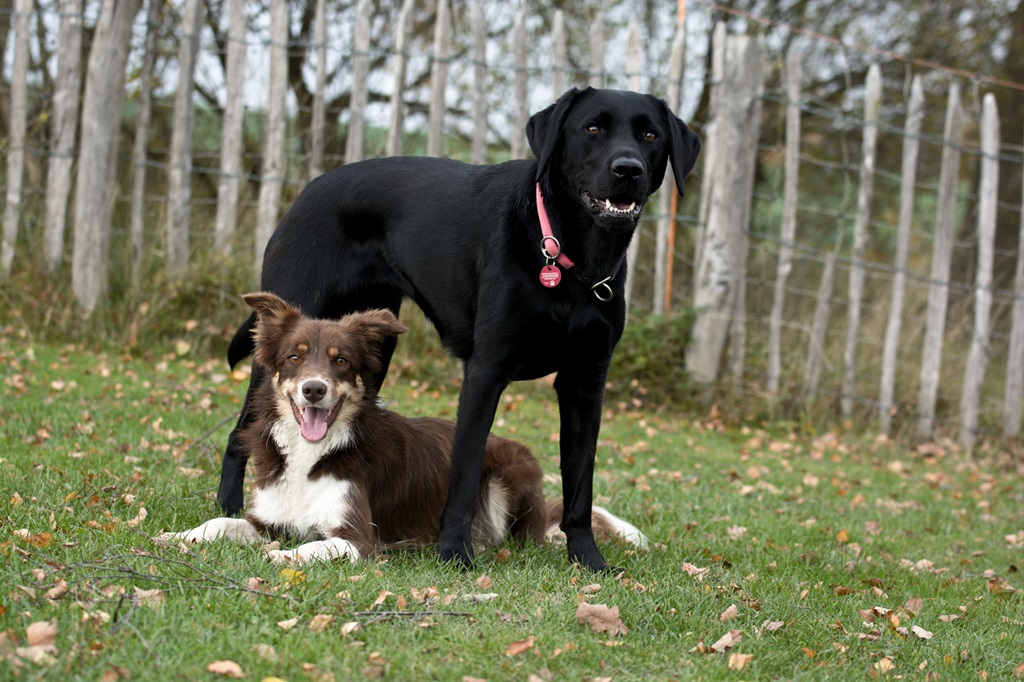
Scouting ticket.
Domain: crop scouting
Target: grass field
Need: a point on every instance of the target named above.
(776, 556)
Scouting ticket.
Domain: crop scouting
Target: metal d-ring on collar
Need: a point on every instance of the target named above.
(602, 290)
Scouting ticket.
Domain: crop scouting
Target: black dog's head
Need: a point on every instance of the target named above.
(610, 149)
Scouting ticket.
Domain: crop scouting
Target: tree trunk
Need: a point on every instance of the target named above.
(179, 167)
(65, 129)
(16, 155)
(101, 120)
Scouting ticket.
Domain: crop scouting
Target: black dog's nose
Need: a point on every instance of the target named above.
(314, 391)
(627, 168)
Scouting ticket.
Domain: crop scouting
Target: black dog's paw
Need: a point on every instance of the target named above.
(583, 551)
(457, 552)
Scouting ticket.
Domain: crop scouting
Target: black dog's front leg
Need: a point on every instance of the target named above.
(232, 472)
(478, 402)
(580, 397)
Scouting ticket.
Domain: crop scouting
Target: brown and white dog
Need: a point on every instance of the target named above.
(339, 472)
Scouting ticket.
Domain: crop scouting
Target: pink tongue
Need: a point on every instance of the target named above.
(313, 424)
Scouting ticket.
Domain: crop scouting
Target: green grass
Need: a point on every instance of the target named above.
(798, 531)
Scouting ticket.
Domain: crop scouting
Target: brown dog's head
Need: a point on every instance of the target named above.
(320, 369)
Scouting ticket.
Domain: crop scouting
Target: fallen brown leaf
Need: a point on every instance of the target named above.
(384, 594)
(226, 669)
(921, 632)
(729, 613)
(727, 641)
(152, 598)
(42, 633)
(266, 652)
(58, 591)
(601, 618)
(737, 660)
(914, 606)
(698, 573)
(516, 648)
(287, 624)
(320, 622)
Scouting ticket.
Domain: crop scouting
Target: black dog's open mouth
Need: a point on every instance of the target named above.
(619, 206)
(314, 421)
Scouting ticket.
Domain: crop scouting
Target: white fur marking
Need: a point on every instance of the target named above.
(492, 519)
(624, 529)
(318, 550)
(306, 508)
(236, 530)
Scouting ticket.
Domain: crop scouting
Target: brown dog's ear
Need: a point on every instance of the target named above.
(375, 325)
(372, 328)
(544, 129)
(684, 147)
(274, 317)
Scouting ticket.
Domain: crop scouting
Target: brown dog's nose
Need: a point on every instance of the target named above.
(627, 168)
(314, 391)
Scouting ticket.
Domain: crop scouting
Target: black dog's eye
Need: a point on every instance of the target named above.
(340, 361)
(650, 136)
(593, 130)
(293, 358)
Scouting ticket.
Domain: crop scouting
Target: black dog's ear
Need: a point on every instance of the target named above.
(684, 147)
(544, 129)
(274, 316)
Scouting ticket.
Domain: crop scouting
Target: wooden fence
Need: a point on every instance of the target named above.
(899, 355)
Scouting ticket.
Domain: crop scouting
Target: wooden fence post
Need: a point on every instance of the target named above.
(787, 231)
(398, 78)
(439, 81)
(273, 166)
(16, 133)
(988, 200)
(819, 328)
(662, 250)
(938, 292)
(102, 107)
(179, 166)
(478, 152)
(232, 130)
(597, 52)
(360, 70)
(710, 145)
(318, 122)
(721, 269)
(141, 141)
(521, 103)
(872, 104)
(66, 94)
(561, 59)
(1014, 390)
(634, 82)
(908, 176)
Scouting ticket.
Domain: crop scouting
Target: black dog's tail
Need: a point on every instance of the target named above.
(242, 345)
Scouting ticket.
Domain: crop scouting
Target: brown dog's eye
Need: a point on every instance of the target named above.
(340, 361)
(593, 130)
(650, 136)
(293, 358)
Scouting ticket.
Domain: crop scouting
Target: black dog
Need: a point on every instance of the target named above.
(468, 245)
